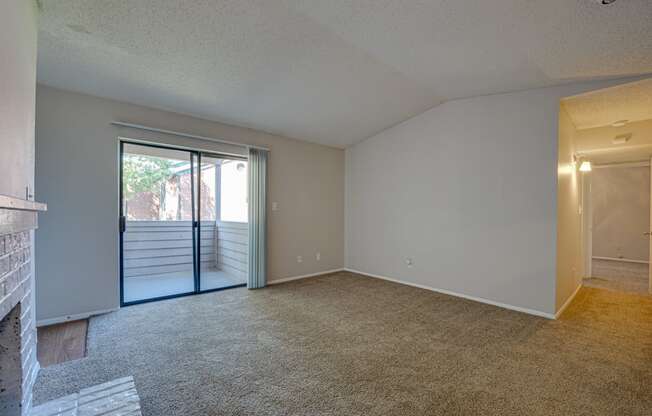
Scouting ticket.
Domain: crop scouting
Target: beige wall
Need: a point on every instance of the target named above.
(18, 21)
(77, 174)
(621, 212)
(569, 221)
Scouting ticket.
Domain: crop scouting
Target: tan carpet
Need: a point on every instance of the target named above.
(627, 284)
(351, 345)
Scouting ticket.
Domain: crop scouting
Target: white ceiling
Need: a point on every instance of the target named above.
(631, 101)
(337, 71)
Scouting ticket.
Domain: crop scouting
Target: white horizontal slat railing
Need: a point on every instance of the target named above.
(159, 247)
(233, 247)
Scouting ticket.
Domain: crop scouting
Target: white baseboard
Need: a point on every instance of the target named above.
(459, 295)
(74, 317)
(568, 301)
(289, 279)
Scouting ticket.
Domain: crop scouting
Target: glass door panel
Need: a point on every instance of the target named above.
(223, 224)
(157, 221)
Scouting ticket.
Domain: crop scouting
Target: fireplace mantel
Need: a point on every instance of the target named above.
(9, 202)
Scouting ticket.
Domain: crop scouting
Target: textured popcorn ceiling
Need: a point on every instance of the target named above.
(336, 71)
(632, 101)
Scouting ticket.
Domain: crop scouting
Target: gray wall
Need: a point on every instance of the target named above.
(468, 190)
(77, 174)
(620, 198)
(18, 21)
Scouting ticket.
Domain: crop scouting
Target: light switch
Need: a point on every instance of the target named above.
(274, 206)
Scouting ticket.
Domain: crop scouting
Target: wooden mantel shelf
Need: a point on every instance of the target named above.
(9, 202)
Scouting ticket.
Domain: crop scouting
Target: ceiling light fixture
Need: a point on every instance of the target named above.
(620, 123)
(622, 138)
(585, 166)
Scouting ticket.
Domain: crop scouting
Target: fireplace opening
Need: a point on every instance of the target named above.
(11, 372)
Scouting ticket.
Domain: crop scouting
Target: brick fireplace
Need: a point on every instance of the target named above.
(18, 364)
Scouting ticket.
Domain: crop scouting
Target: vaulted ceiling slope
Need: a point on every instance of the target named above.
(333, 72)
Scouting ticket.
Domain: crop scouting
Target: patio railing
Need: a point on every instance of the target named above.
(233, 248)
(159, 247)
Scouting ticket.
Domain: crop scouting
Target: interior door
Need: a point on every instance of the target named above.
(157, 222)
(650, 246)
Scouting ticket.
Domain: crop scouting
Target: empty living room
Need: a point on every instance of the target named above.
(312, 208)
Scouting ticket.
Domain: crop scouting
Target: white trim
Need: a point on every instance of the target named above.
(289, 279)
(620, 259)
(74, 317)
(568, 301)
(180, 134)
(586, 219)
(588, 153)
(459, 295)
(641, 164)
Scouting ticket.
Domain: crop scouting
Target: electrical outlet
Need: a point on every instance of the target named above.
(409, 262)
(299, 259)
(318, 256)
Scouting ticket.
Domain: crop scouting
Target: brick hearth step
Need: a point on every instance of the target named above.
(115, 398)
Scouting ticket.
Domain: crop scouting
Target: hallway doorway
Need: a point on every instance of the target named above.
(604, 226)
(618, 205)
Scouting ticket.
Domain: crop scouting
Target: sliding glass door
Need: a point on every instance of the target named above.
(183, 225)
(157, 233)
(223, 228)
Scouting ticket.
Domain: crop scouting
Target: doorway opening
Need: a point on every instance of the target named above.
(604, 209)
(618, 217)
(183, 222)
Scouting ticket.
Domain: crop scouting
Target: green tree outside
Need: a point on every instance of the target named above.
(144, 174)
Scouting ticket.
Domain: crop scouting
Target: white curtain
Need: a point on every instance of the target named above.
(257, 274)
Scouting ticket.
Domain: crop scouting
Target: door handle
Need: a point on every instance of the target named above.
(122, 224)
(649, 233)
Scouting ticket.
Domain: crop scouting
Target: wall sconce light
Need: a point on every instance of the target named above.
(585, 166)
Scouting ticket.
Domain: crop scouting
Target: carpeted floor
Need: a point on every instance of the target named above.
(627, 284)
(351, 345)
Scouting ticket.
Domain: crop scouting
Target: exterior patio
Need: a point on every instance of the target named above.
(158, 259)
(167, 284)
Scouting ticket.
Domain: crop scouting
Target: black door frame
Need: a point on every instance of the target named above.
(195, 197)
